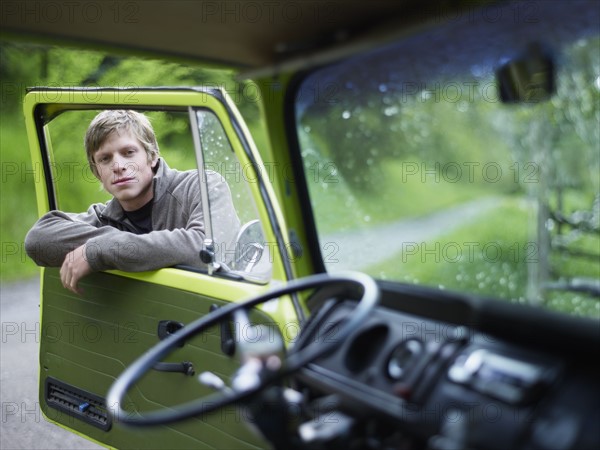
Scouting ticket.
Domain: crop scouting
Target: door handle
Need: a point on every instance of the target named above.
(165, 329)
(184, 367)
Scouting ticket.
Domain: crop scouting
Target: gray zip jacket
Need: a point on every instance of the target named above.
(177, 224)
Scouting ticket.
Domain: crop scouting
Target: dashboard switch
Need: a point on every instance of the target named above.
(505, 378)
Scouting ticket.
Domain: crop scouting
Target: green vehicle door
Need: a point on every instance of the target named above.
(88, 340)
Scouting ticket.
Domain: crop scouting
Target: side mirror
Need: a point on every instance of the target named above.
(249, 247)
(528, 78)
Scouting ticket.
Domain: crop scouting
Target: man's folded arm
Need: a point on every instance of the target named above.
(140, 252)
(57, 233)
(160, 248)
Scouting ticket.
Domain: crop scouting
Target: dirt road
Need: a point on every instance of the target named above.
(22, 425)
(361, 248)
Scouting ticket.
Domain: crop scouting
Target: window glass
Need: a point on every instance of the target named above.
(418, 173)
(248, 254)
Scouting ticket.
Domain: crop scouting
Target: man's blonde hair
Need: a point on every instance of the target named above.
(116, 120)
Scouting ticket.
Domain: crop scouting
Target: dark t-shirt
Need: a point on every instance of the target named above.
(141, 218)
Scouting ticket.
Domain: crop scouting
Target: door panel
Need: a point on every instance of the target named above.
(89, 340)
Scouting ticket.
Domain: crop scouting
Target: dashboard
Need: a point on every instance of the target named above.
(409, 380)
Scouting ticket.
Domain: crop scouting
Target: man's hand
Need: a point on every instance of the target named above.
(74, 268)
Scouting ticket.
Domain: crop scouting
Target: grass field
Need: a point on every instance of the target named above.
(493, 257)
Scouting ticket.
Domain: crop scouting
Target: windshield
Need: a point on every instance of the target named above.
(418, 173)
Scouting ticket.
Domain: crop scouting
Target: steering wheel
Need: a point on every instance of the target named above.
(338, 285)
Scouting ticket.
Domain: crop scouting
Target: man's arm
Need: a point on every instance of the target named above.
(59, 239)
(80, 244)
(56, 234)
(140, 252)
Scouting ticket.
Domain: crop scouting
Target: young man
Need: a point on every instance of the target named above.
(154, 220)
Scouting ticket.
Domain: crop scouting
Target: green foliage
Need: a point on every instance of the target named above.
(379, 124)
(497, 266)
(366, 124)
(17, 203)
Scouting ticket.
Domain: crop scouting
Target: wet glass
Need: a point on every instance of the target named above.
(418, 173)
(249, 253)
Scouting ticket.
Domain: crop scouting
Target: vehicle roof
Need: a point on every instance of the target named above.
(236, 34)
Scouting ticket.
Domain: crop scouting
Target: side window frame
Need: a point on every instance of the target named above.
(43, 105)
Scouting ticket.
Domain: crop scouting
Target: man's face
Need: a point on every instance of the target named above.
(124, 170)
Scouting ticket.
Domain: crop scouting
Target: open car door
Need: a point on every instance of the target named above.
(88, 340)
